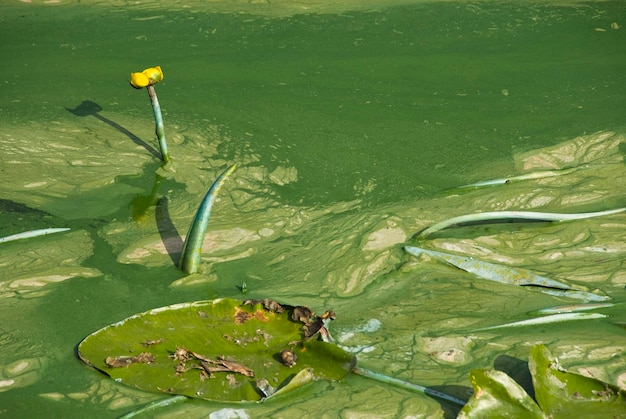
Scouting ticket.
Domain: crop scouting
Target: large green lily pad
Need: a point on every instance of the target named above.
(224, 350)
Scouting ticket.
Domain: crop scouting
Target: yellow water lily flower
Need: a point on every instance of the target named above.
(146, 78)
(155, 74)
(139, 80)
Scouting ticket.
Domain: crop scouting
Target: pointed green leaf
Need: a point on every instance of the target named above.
(553, 318)
(500, 216)
(215, 350)
(192, 248)
(496, 395)
(32, 233)
(565, 394)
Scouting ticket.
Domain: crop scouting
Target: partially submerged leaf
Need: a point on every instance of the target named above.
(540, 174)
(571, 308)
(507, 275)
(554, 318)
(565, 394)
(32, 233)
(221, 350)
(500, 216)
(496, 395)
(192, 248)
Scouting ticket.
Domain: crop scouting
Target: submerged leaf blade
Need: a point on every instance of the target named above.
(508, 275)
(553, 318)
(32, 233)
(500, 216)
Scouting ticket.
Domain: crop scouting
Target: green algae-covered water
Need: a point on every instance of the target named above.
(352, 124)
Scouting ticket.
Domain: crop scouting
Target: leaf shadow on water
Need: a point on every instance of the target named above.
(18, 217)
(451, 410)
(622, 149)
(87, 108)
(518, 370)
(169, 235)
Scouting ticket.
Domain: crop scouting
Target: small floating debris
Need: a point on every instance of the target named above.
(288, 358)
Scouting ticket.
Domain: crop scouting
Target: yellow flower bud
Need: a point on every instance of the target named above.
(155, 74)
(139, 80)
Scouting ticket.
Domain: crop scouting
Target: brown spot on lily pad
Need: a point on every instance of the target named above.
(242, 316)
(260, 316)
(152, 342)
(270, 305)
(124, 361)
(301, 314)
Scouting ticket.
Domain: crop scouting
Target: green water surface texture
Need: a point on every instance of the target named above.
(348, 122)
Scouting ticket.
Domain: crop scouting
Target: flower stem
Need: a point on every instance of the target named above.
(158, 120)
(405, 384)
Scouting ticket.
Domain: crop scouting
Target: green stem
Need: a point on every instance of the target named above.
(405, 384)
(192, 248)
(512, 215)
(158, 120)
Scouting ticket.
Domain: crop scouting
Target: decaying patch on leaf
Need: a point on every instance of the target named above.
(124, 361)
(181, 354)
(270, 305)
(301, 314)
(320, 325)
(223, 365)
(242, 316)
(313, 325)
(152, 342)
(245, 339)
(206, 365)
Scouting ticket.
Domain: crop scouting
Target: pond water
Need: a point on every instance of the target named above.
(352, 123)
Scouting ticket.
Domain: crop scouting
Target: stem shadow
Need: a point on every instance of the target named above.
(87, 108)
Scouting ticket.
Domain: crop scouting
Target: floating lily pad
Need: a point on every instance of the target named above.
(224, 350)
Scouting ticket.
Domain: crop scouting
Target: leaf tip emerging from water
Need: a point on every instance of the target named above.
(192, 248)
